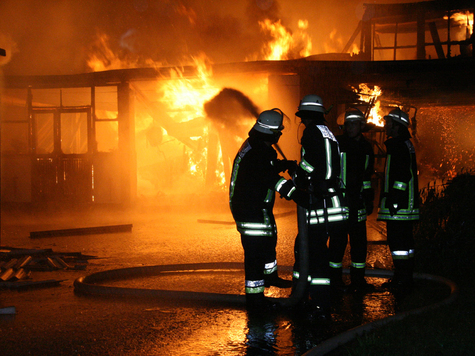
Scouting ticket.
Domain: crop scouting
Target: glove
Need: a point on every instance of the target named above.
(301, 178)
(290, 192)
(393, 206)
(292, 167)
(393, 210)
(281, 165)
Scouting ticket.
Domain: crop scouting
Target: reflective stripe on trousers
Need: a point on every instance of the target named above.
(253, 287)
(270, 268)
(402, 255)
(358, 264)
(314, 281)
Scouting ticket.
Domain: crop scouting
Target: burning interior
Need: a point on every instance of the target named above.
(124, 131)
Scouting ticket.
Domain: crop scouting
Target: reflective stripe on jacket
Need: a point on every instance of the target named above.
(320, 159)
(357, 168)
(254, 180)
(401, 187)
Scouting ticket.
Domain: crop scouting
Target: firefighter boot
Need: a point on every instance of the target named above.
(402, 281)
(407, 276)
(320, 302)
(358, 282)
(303, 301)
(273, 279)
(395, 280)
(336, 280)
(258, 303)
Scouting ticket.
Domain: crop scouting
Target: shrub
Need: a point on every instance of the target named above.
(445, 234)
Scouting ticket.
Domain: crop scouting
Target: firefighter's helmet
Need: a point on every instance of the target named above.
(354, 114)
(399, 116)
(311, 103)
(270, 121)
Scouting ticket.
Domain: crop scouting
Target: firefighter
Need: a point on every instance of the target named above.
(254, 181)
(319, 175)
(399, 204)
(357, 167)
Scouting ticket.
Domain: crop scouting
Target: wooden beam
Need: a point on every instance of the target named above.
(421, 28)
(83, 231)
(352, 38)
(435, 37)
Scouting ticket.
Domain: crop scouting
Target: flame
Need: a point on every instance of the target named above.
(464, 19)
(189, 13)
(354, 50)
(371, 95)
(185, 96)
(182, 98)
(104, 58)
(285, 45)
(304, 38)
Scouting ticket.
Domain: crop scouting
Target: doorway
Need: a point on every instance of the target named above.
(62, 155)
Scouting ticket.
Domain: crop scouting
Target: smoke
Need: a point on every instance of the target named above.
(228, 108)
(8, 47)
(231, 112)
(58, 37)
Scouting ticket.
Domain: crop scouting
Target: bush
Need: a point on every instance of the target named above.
(445, 234)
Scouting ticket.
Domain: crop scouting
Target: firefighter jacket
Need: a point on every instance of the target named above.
(357, 168)
(400, 194)
(255, 178)
(320, 160)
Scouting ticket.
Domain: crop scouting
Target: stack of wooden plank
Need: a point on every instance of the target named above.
(17, 264)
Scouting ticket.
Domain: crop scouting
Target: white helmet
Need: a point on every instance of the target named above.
(311, 103)
(354, 114)
(399, 116)
(269, 121)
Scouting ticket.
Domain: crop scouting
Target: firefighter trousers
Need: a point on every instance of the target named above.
(400, 238)
(259, 251)
(357, 235)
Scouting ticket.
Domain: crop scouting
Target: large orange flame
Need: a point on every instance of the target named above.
(464, 19)
(285, 44)
(182, 99)
(185, 96)
(371, 95)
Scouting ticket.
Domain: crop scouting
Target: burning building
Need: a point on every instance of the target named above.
(123, 130)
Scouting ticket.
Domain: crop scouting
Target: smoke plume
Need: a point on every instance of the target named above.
(57, 37)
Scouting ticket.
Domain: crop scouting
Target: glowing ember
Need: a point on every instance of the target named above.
(371, 95)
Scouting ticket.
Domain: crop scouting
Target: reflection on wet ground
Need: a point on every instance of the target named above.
(58, 321)
(291, 331)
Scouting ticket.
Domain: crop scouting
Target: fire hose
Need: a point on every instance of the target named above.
(276, 146)
(301, 285)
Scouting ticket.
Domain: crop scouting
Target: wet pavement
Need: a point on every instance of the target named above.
(58, 321)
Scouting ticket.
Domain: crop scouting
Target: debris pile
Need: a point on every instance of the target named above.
(16, 265)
